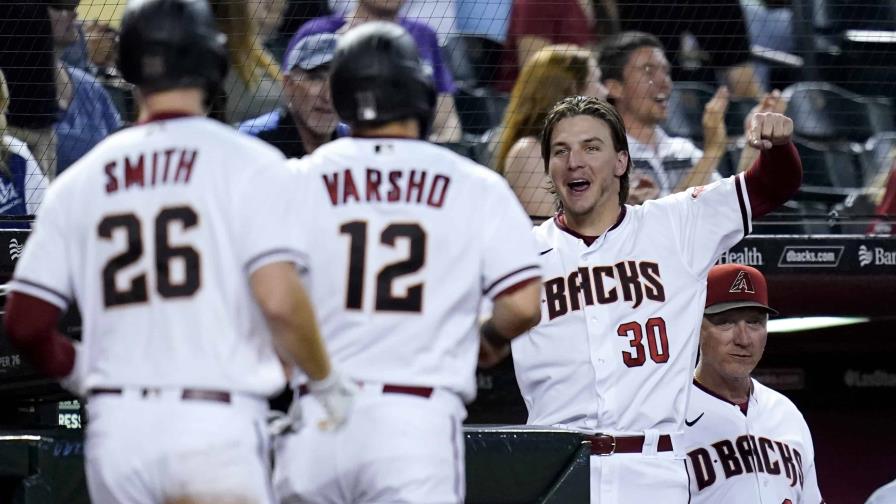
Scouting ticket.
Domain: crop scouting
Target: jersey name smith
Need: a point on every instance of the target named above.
(745, 455)
(149, 169)
(625, 281)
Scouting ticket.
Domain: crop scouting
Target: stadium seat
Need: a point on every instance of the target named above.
(479, 109)
(685, 110)
(823, 112)
(880, 154)
(830, 166)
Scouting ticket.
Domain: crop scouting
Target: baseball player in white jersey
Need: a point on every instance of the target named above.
(405, 239)
(623, 295)
(746, 443)
(169, 237)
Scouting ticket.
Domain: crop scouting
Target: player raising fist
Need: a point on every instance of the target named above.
(623, 296)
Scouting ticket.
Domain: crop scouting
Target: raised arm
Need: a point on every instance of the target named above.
(776, 176)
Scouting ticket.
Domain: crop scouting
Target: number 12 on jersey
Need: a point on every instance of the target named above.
(384, 298)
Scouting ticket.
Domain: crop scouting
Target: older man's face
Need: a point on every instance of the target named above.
(308, 96)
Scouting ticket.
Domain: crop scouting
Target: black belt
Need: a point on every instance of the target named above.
(605, 444)
(186, 394)
(425, 392)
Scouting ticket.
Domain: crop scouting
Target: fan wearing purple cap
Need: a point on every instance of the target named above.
(306, 119)
(745, 442)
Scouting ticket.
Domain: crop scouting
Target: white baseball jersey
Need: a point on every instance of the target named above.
(404, 238)
(762, 457)
(884, 495)
(620, 321)
(154, 233)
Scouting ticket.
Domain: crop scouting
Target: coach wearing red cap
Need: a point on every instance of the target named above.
(745, 443)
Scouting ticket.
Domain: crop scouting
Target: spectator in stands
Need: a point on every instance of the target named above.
(446, 126)
(74, 53)
(254, 85)
(22, 183)
(306, 120)
(535, 24)
(636, 73)
(883, 195)
(706, 41)
(296, 14)
(555, 72)
(27, 59)
(439, 15)
(88, 113)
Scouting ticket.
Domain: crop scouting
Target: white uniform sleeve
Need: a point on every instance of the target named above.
(43, 270)
(509, 252)
(708, 220)
(811, 493)
(266, 217)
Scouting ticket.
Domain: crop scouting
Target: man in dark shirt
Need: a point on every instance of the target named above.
(306, 119)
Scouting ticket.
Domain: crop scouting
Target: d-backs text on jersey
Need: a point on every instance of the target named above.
(398, 186)
(635, 281)
(745, 455)
(149, 169)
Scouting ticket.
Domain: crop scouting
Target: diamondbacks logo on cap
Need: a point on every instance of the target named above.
(742, 283)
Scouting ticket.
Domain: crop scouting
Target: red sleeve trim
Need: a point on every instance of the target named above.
(773, 179)
(30, 325)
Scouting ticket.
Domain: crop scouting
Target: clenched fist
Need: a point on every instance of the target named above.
(768, 129)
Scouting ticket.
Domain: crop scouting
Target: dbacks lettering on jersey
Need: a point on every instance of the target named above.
(418, 187)
(132, 170)
(635, 280)
(745, 455)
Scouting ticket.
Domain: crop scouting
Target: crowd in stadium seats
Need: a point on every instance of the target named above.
(685, 83)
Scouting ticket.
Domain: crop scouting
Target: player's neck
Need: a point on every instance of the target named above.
(596, 222)
(405, 128)
(186, 101)
(735, 390)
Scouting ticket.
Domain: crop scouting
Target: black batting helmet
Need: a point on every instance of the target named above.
(377, 77)
(169, 44)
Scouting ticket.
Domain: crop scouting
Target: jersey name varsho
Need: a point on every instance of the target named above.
(398, 186)
(745, 455)
(149, 169)
(635, 280)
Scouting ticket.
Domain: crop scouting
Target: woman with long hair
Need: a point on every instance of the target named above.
(553, 73)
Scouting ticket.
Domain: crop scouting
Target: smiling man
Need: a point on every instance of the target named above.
(746, 443)
(638, 78)
(624, 292)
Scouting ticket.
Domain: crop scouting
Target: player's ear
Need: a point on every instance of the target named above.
(621, 163)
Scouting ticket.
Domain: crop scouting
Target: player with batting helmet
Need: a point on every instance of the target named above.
(398, 259)
(169, 237)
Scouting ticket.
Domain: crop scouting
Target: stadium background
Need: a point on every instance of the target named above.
(829, 254)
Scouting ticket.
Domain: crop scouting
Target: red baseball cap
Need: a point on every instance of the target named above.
(730, 286)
